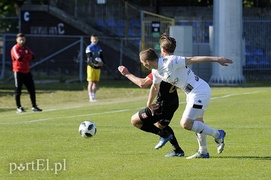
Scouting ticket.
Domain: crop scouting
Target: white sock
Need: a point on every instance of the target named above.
(202, 141)
(200, 127)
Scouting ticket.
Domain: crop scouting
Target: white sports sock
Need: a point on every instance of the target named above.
(200, 127)
(93, 95)
(202, 141)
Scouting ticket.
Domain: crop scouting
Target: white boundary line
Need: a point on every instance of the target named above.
(82, 115)
(108, 112)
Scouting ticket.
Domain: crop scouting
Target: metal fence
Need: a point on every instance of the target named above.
(257, 43)
(115, 17)
(119, 20)
(62, 58)
(257, 64)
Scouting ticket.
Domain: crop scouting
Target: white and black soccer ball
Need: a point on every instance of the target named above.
(97, 59)
(87, 129)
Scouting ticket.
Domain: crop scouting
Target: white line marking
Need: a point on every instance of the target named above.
(108, 112)
(81, 115)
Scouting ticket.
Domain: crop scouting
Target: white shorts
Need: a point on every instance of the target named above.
(197, 101)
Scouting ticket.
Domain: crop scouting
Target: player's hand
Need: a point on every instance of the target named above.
(224, 61)
(123, 70)
(155, 106)
(151, 109)
(21, 58)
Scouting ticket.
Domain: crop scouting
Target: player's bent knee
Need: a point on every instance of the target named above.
(132, 121)
(186, 124)
(182, 124)
(136, 123)
(135, 120)
(160, 126)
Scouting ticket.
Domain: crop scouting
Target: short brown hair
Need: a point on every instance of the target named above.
(148, 54)
(20, 35)
(93, 35)
(168, 43)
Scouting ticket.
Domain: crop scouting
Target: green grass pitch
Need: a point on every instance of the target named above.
(47, 145)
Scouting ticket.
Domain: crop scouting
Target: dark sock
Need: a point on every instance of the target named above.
(173, 141)
(163, 133)
(150, 128)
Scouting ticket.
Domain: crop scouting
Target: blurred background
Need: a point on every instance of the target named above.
(58, 32)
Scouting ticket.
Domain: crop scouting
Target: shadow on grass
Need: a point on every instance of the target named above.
(77, 86)
(8, 109)
(244, 157)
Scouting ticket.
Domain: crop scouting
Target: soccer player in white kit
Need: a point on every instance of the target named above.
(174, 69)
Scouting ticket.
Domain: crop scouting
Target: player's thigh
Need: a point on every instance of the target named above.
(192, 113)
(97, 75)
(165, 118)
(29, 82)
(18, 80)
(93, 74)
(89, 71)
(199, 98)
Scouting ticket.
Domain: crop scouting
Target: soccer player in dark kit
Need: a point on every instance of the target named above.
(167, 103)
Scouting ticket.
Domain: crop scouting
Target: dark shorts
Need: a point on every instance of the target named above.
(163, 115)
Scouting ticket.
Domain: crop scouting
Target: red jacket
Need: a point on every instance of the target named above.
(21, 56)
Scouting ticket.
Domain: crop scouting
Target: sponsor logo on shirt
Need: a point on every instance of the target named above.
(175, 81)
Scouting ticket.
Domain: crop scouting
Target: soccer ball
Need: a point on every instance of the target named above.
(97, 59)
(87, 129)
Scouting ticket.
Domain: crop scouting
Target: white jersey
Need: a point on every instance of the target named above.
(172, 69)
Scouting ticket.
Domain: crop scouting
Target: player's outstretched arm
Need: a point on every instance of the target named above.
(141, 82)
(199, 59)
